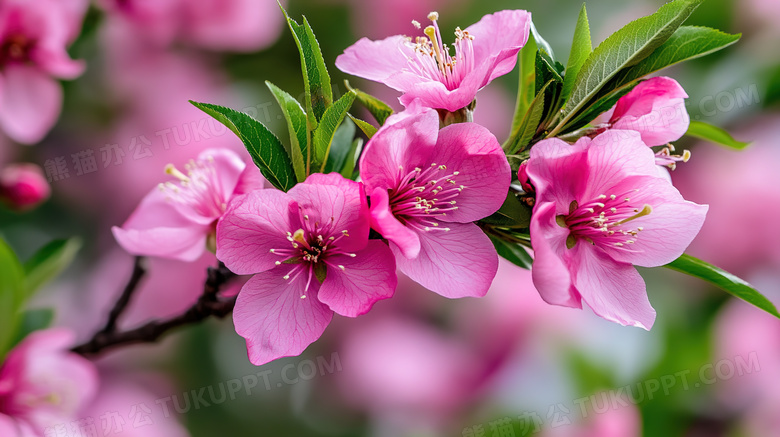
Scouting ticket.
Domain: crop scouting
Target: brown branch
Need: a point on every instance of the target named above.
(139, 270)
(208, 305)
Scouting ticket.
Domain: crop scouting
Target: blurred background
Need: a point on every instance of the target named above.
(416, 365)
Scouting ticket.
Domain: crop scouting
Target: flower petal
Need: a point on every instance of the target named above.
(656, 109)
(185, 243)
(613, 290)
(667, 231)
(613, 156)
(228, 167)
(457, 263)
(367, 277)
(333, 209)
(273, 318)
(384, 222)
(254, 224)
(550, 272)
(500, 35)
(376, 60)
(403, 143)
(483, 169)
(558, 171)
(30, 103)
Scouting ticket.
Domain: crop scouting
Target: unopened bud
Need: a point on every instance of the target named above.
(23, 186)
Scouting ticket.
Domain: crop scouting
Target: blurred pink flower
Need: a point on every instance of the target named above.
(34, 36)
(601, 206)
(427, 187)
(741, 189)
(138, 412)
(425, 69)
(624, 421)
(233, 25)
(310, 253)
(23, 186)
(42, 384)
(655, 108)
(176, 220)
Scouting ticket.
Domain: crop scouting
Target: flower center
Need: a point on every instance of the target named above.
(309, 249)
(602, 221)
(425, 196)
(432, 57)
(15, 49)
(199, 189)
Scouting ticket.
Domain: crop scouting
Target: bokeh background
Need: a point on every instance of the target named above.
(417, 365)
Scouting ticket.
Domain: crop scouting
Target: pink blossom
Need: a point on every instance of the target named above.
(602, 206)
(655, 108)
(34, 36)
(23, 186)
(427, 187)
(176, 218)
(426, 70)
(310, 253)
(236, 25)
(42, 384)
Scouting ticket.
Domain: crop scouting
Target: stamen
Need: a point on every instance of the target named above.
(171, 169)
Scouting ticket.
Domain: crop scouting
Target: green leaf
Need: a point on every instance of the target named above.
(31, 321)
(316, 80)
(348, 171)
(364, 126)
(266, 150)
(379, 109)
(48, 262)
(527, 82)
(624, 48)
(526, 130)
(323, 136)
(581, 48)
(342, 143)
(723, 280)
(512, 214)
(512, 252)
(548, 74)
(687, 42)
(296, 124)
(11, 295)
(708, 132)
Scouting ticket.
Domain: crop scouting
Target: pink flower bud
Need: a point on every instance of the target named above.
(23, 186)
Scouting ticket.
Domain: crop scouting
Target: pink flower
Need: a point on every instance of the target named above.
(427, 187)
(42, 384)
(176, 219)
(310, 251)
(23, 186)
(426, 70)
(238, 25)
(655, 108)
(34, 36)
(601, 206)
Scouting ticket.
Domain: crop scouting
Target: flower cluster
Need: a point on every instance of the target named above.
(431, 191)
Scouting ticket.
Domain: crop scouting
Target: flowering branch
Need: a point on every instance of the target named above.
(208, 305)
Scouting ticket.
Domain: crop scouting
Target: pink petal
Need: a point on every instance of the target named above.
(243, 25)
(367, 277)
(228, 167)
(254, 224)
(251, 179)
(558, 171)
(30, 103)
(336, 208)
(656, 109)
(376, 60)
(273, 318)
(613, 290)
(433, 94)
(457, 263)
(483, 169)
(500, 35)
(406, 140)
(667, 231)
(550, 272)
(613, 156)
(56, 62)
(384, 222)
(7, 426)
(184, 243)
